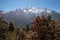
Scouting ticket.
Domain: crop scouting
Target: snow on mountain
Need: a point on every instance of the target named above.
(26, 15)
(36, 10)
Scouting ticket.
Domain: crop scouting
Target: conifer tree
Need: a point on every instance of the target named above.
(11, 26)
(27, 28)
(49, 18)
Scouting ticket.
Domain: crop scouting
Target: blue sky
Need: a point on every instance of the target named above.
(8, 5)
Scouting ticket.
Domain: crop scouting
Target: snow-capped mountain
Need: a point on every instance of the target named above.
(37, 10)
(26, 15)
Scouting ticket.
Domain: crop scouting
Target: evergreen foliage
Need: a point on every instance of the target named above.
(42, 28)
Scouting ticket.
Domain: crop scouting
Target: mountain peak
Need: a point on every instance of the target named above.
(24, 16)
(36, 10)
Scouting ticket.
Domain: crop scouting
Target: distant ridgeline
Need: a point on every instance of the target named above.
(22, 17)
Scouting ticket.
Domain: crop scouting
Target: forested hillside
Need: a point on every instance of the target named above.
(41, 28)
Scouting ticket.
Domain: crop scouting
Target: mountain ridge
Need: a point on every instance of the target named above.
(24, 16)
